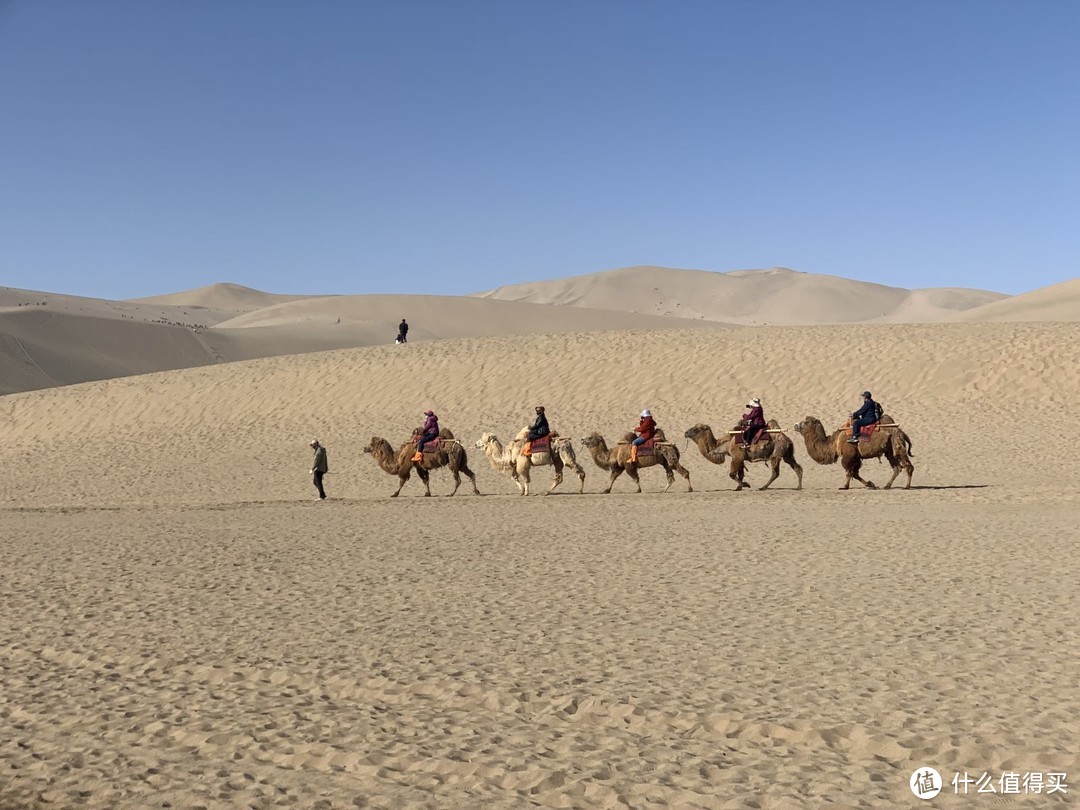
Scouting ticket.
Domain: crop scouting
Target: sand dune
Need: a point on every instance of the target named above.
(224, 296)
(185, 625)
(15, 300)
(1059, 302)
(67, 341)
(776, 296)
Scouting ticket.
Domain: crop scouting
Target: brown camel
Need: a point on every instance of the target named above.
(890, 442)
(773, 448)
(451, 454)
(617, 459)
(511, 459)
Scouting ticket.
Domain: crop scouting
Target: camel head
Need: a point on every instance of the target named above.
(808, 425)
(695, 431)
(485, 440)
(374, 444)
(593, 440)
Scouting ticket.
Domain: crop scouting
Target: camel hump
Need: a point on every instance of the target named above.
(445, 433)
(523, 434)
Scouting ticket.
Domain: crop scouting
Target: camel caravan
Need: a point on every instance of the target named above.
(868, 433)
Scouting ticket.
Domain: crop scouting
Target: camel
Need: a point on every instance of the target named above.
(890, 442)
(774, 448)
(451, 454)
(511, 459)
(617, 459)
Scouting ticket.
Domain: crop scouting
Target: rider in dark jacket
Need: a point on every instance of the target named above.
(868, 414)
(538, 430)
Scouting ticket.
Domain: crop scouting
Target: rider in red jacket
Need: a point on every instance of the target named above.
(645, 430)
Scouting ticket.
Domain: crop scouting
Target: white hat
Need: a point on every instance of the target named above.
(645, 413)
(754, 403)
(313, 442)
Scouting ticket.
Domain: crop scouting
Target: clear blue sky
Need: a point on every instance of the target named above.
(449, 147)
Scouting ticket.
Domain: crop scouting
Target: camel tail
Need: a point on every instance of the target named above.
(907, 441)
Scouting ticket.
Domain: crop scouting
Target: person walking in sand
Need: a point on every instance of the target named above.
(319, 467)
(402, 332)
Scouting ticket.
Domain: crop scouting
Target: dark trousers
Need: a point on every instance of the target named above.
(424, 439)
(401, 337)
(860, 422)
(316, 478)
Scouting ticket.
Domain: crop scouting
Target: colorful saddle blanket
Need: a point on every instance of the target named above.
(647, 449)
(762, 433)
(541, 445)
(865, 431)
(432, 447)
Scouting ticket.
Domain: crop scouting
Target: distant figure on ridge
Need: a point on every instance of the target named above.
(868, 414)
(753, 421)
(538, 430)
(319, 467)
(429, 432)
(402, 332)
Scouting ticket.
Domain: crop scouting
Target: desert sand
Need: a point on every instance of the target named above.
(49, 340)
(185, 626)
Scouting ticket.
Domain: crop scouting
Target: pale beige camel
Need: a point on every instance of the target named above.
(890, 442)
(617, 459)
(511, 459)
(451, 454)
(773, 448)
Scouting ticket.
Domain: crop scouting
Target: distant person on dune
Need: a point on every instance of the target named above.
(402, 332)
(319, 467)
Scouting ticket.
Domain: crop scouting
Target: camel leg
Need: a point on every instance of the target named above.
(555, 483)
(736, 474)
(633, 473)
(775, 465)
(517, 480)
(580, 472)
(685, 473)
(668, 474)
(457, 481)
(789, 459)
(426, 478)
(853, 472)
(471, 476)
(909, 468)
(889, 457)
(616, 471)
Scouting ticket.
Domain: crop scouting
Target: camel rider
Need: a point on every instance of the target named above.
(538, 430)
(645, 430)
(428, 432)
(753, 421)
(868, 414)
